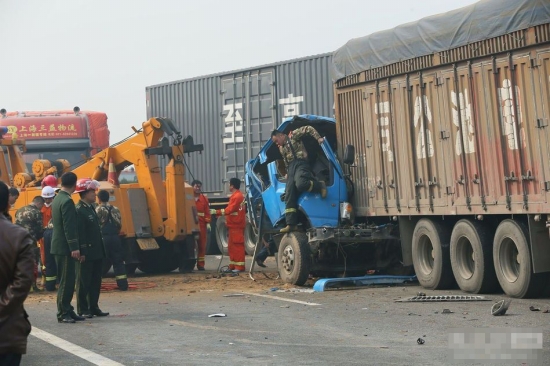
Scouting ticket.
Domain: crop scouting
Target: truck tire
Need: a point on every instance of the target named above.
(512, 258)
(294, 258)
(131, 268)
(472, 257)
(222, 235)
(250, 238)
(430, 255)
(107, 264)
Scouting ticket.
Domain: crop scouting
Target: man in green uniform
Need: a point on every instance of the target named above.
(92, 250)
(30, 218)
(65, 247)
(299, 174)
(111, 223)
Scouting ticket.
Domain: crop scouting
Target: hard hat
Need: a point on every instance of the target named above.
(48, 192)
(86, 184)
(49, 180)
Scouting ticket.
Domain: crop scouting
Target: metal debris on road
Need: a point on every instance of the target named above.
(443, 298)
(421, 294)
(500, 307)
(219, 315)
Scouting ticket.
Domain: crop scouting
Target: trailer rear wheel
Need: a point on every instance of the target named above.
(472, 257)
(294, 258)
(512, 259)
(222, 235)
(250, 238)
(430, 255)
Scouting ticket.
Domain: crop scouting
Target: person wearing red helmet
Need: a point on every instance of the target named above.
(92, 250)
(49, 181)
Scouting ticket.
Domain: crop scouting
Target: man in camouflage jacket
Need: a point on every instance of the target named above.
(30, 218)
(111, 223)
(299, 174)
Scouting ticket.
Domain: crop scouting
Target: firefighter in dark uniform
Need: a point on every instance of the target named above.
(111, 223)
(65, 247)
(299, 174)
(88, 284)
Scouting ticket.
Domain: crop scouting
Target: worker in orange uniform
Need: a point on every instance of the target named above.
(203, 209)
(48, 274)
(235, 220)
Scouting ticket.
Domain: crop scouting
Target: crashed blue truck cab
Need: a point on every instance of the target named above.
(327, 242)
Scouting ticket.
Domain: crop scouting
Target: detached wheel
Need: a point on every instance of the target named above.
(250, 238)
(430, 255)
(131, 269)
(222, 235)
(294, 258)
(106, 267)
(472, 257)
(512, 259)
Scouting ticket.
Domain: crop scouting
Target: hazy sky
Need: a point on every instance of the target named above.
(101, 54)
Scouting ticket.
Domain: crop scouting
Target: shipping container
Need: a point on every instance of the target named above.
(233, 113)
(452, 141)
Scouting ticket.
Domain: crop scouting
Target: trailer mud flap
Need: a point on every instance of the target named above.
(540, 244)
(147, 243)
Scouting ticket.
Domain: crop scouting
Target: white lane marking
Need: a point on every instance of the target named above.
(78, 351)
(283, 299)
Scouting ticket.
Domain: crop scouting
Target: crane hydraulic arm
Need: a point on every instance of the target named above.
(12, 148)
(166, 200)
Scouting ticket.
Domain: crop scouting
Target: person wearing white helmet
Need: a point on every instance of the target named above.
(49, 268)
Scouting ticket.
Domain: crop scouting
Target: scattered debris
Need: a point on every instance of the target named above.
(233, 295)
(274, 289)
(219, 315)
(500, 307)
(446, 311)
(443, 298)
(546, 311)
(284, 306)
(421, 294)
(532, 308)
(414, 314)
(420, 341)
(325, 283)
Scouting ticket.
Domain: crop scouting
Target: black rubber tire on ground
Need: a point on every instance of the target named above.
(106, 267)
(513, 263)
(222, 235)
(294, 258)
(472, 257)
(250, 238)
(187, 253)
(430, 255)
(162, 260)
(131, 268)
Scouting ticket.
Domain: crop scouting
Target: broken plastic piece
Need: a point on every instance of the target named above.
(532, 308)
(500, 307)
(219, 315)
(446, 311)
(420, 341)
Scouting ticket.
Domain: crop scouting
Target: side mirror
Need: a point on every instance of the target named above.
(349, 154)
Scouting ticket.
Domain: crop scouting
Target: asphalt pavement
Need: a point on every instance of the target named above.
(278, 326)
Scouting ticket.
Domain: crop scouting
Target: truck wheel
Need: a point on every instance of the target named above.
(131, 268)
(430, 255)
(222, 235)
(294, 258)
(250, 238)
(512, 260)
(472, 257)
(106, 267)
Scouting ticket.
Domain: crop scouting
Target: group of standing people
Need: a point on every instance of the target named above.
(69, 241)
